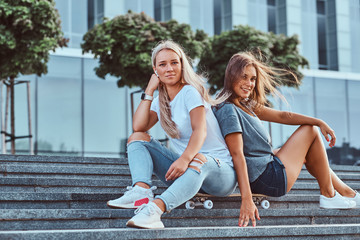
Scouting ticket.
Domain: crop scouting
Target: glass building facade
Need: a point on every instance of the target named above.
(76, 113)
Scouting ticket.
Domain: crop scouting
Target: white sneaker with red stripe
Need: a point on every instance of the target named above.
(133, 198)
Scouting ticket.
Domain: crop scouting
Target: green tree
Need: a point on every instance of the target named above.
(277, 50)
(29, 29)
(123, 45)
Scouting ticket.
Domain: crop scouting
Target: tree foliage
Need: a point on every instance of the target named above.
(276, 50)
(29, 29)
(124, 44)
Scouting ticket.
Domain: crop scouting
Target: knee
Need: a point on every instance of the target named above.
(139, 136)
(197, 162)
(309, 129)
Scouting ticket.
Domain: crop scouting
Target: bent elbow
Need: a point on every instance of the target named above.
(137, 127)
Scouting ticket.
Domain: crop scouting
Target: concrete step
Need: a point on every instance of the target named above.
(104, 171)
(6, 158)
(326, 231)
(59, 160)
(41, 219)
(91, 185)
(39, 170)
(18, 200)
(49, 197)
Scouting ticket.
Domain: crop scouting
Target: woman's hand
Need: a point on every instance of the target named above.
(248, 211)
(326, 131)
(153, 84)
(176, 169)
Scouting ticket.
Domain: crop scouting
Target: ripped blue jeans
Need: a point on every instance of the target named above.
(145, 158)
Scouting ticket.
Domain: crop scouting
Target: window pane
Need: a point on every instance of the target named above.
(299, 101)
(320, 7)
(79, 16)
(331, 106)
(354, 112)
(105, 110)
(322, 41)
(227, 7)
(271, 2)
(63, 8)
(271, 19)
(167, 13)
(157, 10)
(59, 107)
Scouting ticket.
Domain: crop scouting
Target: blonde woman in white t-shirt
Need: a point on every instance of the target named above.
(198, 159)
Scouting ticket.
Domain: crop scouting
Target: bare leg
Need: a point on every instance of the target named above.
(294, 152)
(341, 187)
(160, 204)
(317, 151)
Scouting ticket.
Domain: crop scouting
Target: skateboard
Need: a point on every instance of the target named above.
(201, 199)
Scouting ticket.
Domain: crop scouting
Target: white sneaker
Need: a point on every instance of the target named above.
(133, 198)
(336, 202)
(146, 216)
(356, 199)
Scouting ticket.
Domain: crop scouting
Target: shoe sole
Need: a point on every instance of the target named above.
(338, 208)
(121, 207)
(341, 208)
(130, 206)
(133, 225)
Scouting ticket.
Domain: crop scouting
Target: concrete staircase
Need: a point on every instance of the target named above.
(47, 197)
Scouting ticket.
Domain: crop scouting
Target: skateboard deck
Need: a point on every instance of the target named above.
(202, 199)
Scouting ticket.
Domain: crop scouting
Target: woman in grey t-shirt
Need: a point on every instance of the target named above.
(260, 169)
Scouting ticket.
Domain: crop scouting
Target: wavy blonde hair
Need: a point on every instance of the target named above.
(266, 81)
(188, 76)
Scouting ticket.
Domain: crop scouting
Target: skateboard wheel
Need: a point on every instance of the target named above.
(265, 204)
(208, 204)
(189, 205)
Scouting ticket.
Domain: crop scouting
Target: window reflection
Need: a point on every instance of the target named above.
(354, 113)
(331, 106)
(299, 101)
(271, 16)
(74, 18)
(321, 24)
(222, 15)
(162, 10)
(105, 111)
(59, 107)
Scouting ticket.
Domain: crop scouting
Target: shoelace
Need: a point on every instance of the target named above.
(150, 209)
(130, 188)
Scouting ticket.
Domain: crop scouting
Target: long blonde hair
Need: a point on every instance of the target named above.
(266, 81)
(188, 76)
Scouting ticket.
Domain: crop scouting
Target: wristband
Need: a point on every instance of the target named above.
(144, 96)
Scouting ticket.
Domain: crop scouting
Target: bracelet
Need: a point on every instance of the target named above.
(144, 96)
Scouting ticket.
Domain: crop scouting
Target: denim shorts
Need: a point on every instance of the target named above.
(273, 181)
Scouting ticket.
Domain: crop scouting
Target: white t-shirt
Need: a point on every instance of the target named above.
(187, 99)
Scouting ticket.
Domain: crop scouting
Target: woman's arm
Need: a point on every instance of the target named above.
(248, 210)
(197, 138)
(285, 117)
(144, 118)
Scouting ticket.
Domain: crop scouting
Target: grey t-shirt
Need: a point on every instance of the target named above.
(257, 147)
